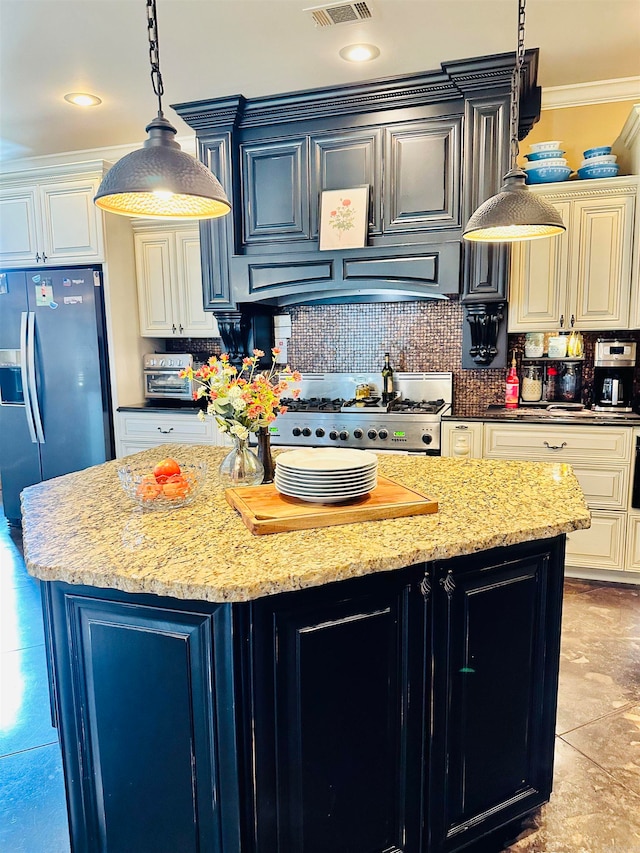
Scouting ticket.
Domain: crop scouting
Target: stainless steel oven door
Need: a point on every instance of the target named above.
(167, 384)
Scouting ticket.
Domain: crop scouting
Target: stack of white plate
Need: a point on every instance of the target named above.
(326, 474)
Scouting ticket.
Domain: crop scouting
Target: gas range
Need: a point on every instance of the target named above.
(332, 412)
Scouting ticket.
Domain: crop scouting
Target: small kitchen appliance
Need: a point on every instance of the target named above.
(161, 372)
(614, 364)
(329, 413)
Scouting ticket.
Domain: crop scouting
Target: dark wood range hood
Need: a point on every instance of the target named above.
(430, 147)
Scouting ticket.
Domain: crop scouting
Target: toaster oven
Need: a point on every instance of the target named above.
(161, 374)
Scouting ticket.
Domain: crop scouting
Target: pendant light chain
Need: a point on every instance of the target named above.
(515, 86)
(154, 52)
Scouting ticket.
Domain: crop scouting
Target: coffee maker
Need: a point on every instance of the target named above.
(613, 365)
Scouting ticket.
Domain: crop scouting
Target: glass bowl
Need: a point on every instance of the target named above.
(140, 484)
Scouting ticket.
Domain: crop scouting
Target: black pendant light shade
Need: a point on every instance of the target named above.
(513, 214)
(160, 181)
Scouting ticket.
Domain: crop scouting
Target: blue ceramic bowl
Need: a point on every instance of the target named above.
(548, 174)
(595, 152)
(545, 155)
(604, 170)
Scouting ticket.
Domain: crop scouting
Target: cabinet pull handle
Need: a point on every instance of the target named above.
(180, 327)
(44, 258)
(38, 257)
(448, 584)
(561, 320)
(173, 327)
(555, 446)
(425, 587)
(165, 431)
(462, 426)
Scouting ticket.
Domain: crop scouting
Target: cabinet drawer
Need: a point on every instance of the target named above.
(183, 429)
(604, 488)
(602, 546)
(557, 443)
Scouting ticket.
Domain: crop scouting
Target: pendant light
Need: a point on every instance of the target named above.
(514, 213)
(160, 181)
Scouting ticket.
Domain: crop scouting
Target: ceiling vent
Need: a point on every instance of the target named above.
(340, 13)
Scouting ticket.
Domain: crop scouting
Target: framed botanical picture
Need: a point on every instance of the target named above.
(343, 218)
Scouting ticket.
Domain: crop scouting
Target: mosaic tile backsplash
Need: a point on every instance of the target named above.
(419, 336)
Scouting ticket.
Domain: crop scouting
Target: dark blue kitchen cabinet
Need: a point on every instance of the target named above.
(430, 147)
(408, 711)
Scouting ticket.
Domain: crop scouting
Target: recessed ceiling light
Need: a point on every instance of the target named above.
(359, 52)
(82, 99)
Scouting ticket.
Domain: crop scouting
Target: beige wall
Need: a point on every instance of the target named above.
(579, 128)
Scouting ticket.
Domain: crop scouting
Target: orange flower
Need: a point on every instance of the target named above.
(346, 202)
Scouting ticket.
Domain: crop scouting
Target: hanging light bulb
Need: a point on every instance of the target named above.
(514, 213)
(160, 181)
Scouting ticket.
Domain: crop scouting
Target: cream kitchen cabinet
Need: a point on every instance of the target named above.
(601, 461)
(47, 216)
(169, 283)
(142, 429)
(461, 438)
(584, 275)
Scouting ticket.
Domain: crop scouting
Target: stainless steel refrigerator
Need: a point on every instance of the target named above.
(55, 411)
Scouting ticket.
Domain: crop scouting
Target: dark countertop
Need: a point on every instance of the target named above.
(584, 417)
(173, 406)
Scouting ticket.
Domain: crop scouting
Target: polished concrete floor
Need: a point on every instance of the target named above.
(595, 806)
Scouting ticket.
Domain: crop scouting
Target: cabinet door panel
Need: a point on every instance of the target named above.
(422, 176)
(539, 271)
(495, 675)
(71, 221)
(602, 262)
(194, 320)
(154, 273)
(217, 236)
(350, 159)
(338, 684)
(633, 543)
(18, 225)
(275, 191)
(150, 768)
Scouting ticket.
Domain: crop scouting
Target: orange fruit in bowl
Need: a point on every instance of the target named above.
(148, 489)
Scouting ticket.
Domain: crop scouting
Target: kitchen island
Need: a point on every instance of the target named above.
(382, 687)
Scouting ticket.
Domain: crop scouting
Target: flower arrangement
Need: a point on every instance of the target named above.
(246, 400)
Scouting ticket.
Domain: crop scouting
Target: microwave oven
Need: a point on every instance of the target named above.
(161, 376)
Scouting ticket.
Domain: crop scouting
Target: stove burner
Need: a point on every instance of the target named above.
(363, 403)
(313, 404)
(412, 407)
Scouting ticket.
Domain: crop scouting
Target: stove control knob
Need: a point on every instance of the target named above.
(427, 438)
(383, 434)
(357, 433)
(372, 434)
(306, 432)
(319, 432)
(333, 435)
(344, 435)
(296, 431)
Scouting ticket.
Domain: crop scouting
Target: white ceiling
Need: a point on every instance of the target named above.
(213, 48)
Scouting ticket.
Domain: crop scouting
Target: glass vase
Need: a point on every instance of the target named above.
(240, 467)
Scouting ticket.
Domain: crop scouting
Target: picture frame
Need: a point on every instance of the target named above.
(344, 215)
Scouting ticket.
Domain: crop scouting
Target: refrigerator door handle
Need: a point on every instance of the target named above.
(31, 369)
(25, 377)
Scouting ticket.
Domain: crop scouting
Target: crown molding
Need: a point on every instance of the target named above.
(598, 92)
(111, 155)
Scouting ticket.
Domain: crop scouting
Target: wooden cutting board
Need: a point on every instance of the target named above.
(265, 510)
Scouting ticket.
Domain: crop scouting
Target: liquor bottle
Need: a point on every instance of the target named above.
(387, 380)
(512, 388)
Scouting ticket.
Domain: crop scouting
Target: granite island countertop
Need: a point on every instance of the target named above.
(83, 529)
